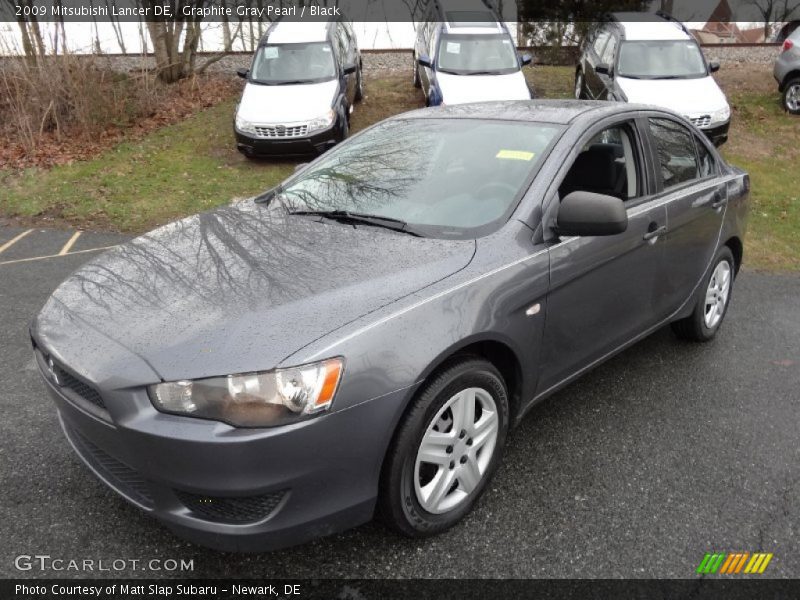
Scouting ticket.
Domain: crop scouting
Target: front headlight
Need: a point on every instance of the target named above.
(722, 115)
(322, 122)
(243, 125)
(253, 399)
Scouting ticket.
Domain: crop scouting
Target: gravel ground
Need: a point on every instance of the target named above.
(376, 63)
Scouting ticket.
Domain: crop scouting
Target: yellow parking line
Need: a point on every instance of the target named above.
(13, 241)
(70, 243)
(22, 260)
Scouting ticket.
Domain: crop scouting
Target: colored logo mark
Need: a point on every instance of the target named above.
(733, 563)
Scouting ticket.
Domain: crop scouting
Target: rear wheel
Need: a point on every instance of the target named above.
(446, 449)
(712, 305)
(791, 96)
(416, 80)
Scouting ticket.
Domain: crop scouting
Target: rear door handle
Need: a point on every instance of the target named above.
(654, 233)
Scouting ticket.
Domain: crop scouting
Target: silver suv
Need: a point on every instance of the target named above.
(787, 72)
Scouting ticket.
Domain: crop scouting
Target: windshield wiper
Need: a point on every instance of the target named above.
(346, 216)
(483, 73)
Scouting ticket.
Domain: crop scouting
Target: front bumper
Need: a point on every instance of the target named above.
(227, 488)
(718, 134)
(316, 143)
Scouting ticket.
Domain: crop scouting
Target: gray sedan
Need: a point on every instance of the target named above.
(360, 339)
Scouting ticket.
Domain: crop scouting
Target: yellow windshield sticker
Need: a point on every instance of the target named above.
(515, 155)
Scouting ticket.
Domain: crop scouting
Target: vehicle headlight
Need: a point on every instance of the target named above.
(322, 122)
(254, 399)
(722, 115)
(244, 125)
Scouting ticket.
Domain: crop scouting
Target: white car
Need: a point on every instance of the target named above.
(464, 53)
(653, 59)
(300, 90)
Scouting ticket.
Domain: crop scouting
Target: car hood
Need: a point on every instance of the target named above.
(265, 104)
(233, 290)
(689, 97)
(460, 89)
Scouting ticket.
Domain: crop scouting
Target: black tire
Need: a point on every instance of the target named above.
(791, 96)
(417, 80)
(580, 86)
(345, 128)
(398, 504)
(694, 327)
(359, 86)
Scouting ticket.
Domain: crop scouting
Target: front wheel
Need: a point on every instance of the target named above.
(359, 86)
(791, 96)
(712, 304)
(446, 449)
(579, 91)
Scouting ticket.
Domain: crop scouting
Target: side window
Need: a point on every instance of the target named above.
(608, 54)
(708, 165)
(609, 164)
(676, 154)
(600, 42)
(343, 43)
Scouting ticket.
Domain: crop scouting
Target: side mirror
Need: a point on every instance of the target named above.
(299, 166)
(243, 73)
(603, 69)
(424, 61)
(525, 59)
(590, 214)
(351, 68)
(713, 66)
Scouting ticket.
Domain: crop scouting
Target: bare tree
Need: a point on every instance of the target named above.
(775, 11)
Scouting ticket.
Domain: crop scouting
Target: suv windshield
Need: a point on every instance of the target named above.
(453, 178)
(666, 59)
(471, 54)
(275, 64)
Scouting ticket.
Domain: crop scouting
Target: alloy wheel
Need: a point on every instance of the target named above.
(792, 98)
(456, 450)
(719, 288)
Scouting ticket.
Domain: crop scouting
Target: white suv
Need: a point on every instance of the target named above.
(653, 59)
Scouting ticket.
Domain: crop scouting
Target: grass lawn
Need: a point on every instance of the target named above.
(193, 165)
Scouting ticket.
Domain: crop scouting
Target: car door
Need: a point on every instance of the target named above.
(605, 81)
(603, 290)
(593, 53)
(695, 197)
(347, 58)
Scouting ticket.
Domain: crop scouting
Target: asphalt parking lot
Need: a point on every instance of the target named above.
(666, 452)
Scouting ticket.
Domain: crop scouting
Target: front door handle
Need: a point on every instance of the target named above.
(719, 203)
(653, 233)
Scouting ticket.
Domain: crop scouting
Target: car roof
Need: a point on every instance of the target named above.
(560, 112)
(646, 26)
(474, 17)
(287, 32)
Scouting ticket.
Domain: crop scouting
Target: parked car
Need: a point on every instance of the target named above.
(464, 53)
(301, 87)
(787, 72)
(653, 59)
(364, 335)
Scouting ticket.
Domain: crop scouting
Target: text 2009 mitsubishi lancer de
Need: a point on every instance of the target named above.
(361, 338)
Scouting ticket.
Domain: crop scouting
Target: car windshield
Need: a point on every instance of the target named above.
(451, 178)
(293, 63)
(470, 54)
(668, 59)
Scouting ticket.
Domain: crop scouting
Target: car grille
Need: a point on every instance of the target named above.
(231, 510)
(703, 121)
(281, 131)
(124, 479)
(82, 389)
